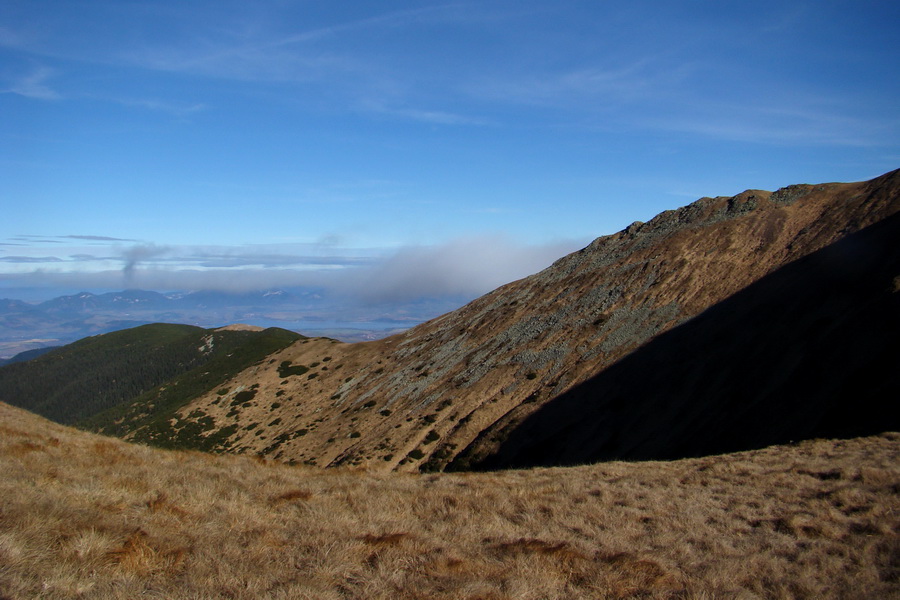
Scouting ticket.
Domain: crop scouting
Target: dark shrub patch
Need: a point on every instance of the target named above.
(286, 369)
(243, 397)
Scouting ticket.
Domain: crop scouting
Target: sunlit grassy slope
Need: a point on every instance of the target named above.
(84, 516)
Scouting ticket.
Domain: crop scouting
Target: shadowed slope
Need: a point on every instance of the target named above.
(811, 350)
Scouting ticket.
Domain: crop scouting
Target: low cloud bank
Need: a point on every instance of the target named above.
(468, 266)
(462, 267)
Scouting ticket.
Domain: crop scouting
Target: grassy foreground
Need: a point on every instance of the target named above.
(83, 516)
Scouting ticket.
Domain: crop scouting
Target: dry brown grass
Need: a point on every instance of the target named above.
(88, 517)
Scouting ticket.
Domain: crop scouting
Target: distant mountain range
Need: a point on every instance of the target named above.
(129, 300)
(25, 326)
(728, 324)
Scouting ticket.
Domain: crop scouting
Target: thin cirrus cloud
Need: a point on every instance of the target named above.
(173, 108)
(35, 85)
(236, 58)
(632, 83)
(801, 121)
(299, 55)
(98, 238)
(314, 56)
(332, 60)
(30, 259)
(563, 88)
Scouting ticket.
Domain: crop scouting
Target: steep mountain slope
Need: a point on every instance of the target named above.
(811, 350)
(454, 389)
(76, 382)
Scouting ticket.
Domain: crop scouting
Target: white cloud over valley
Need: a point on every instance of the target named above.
(462, 267)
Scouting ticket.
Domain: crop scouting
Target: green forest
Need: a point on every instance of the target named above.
(102, 378)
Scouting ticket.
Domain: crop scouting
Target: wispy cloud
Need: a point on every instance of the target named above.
(240, 258)
(592, 86)
(10, 38)
(34, 85)
(298, 56)
(91, 258)
(37, 239)
(98, 238)
(173, 108)
(782, 124)
(30, 259)
(435, 117)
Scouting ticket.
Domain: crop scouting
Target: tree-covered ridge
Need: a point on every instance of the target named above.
(74, 383)
(151, 417)
(83, 378)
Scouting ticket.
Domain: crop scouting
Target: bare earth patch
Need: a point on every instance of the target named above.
(240, 327)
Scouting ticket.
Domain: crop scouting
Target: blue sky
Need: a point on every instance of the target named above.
(434, 147)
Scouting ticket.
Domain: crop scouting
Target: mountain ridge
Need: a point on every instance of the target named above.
(75, 383)
(416, 400)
